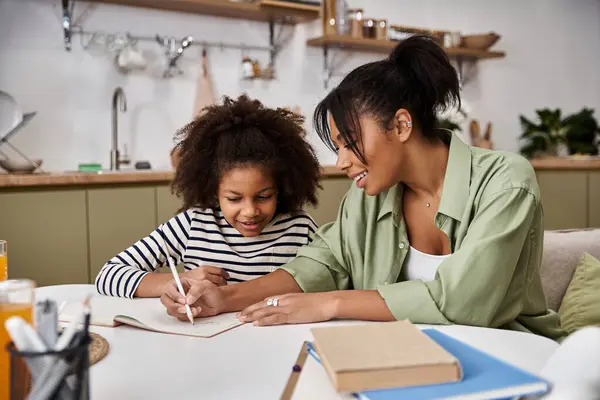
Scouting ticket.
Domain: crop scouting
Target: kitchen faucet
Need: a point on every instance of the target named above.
(115, 158)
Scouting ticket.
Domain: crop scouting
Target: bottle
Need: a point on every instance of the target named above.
(341, 19)
(247, 68)
(3, 261)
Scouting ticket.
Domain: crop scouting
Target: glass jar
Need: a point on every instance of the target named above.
(16, 300)
(381, 29)
(369, 28)
(328, 17)
(355, 20)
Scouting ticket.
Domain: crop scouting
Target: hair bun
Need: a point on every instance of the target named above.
(415, 46)
(422, 59)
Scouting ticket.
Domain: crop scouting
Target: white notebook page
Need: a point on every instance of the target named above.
(149, 314)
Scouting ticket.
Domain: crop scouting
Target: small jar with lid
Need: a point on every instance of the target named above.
(369, 28)
(328, 17)
(355, 20)
(381, 29)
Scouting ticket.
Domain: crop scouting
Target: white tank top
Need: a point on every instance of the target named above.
(418, 265)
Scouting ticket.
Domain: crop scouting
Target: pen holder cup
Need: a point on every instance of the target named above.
(52, 375)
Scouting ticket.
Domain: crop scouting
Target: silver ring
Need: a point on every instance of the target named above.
(273, 302)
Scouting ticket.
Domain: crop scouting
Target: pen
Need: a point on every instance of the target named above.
(69, 332)
(188, 310)
(47, 323)
(86, 318)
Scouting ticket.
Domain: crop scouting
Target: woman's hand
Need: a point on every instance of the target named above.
(216, 275)
(204, 298)
(293, 308)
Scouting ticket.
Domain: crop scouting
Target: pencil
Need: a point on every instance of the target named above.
(188, 310)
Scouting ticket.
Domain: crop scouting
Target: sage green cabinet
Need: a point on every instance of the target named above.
(571, 198)
(564, 199)
(46, 231)
(117, 218)
(594, 196)
(330, 198)
(167, 204)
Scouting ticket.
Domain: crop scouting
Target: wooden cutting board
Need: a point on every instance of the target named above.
(204, 89)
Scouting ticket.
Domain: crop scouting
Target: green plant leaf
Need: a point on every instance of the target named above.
(582, 132)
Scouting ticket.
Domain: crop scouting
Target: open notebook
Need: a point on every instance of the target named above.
(147, 314)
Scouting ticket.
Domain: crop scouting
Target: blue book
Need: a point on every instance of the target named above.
(484, 377)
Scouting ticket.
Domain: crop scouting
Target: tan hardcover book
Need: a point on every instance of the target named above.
(383, 355)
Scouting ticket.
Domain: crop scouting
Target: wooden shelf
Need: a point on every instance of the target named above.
(386, 46)
(265, 10)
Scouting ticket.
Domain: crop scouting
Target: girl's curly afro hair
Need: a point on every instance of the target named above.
(243, 132)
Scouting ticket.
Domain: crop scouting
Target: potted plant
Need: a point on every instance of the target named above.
(553, 135)
(547, 136)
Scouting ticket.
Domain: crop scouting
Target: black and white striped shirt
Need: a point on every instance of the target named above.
(199, 237)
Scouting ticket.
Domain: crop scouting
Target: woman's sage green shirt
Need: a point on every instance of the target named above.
(490, 210)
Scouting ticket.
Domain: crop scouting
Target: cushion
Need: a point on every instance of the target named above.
(562, 251)
(581, 305)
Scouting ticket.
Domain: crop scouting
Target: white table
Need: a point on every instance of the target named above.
(245, 363)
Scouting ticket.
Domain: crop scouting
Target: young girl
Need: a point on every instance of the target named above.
(244, 173)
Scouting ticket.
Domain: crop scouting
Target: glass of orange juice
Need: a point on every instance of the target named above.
(16, 299)
(3, 261)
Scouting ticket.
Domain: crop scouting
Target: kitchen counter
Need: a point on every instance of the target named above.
(566, 163)
(83, 178)
(103, 178)
(141, 176)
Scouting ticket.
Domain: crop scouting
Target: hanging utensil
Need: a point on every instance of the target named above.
(173, 53)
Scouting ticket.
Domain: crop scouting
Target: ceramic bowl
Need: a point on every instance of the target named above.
(19, 166)
(480, 42)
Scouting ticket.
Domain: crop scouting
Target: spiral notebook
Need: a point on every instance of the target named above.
(149, 314)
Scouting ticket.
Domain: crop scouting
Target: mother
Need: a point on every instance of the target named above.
(433, 231)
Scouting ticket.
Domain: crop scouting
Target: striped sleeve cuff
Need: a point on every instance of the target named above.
(119, 280)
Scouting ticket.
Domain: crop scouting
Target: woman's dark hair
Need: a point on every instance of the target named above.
(417, 76)
(239, 133)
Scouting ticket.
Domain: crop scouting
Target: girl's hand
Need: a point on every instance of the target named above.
(204, 298)
(293, 308)
(216, 275)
